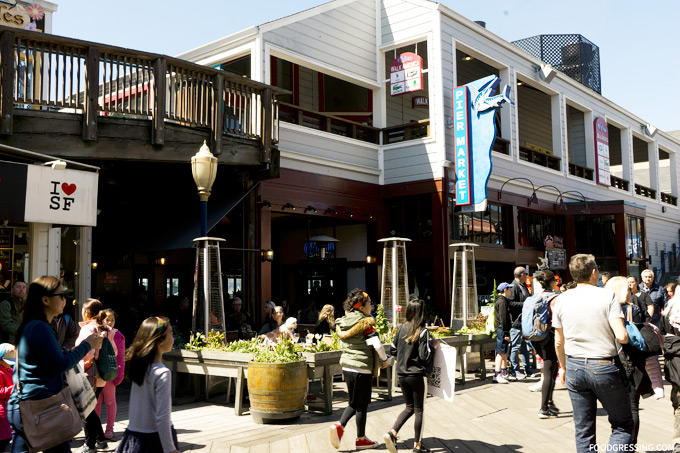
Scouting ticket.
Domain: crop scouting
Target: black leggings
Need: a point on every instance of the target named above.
(546, 350)
(635, 411)
(93, 426)
(413, 389)
(359, 390)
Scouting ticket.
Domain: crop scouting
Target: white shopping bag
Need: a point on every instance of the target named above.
(442, 380)
(83, 394)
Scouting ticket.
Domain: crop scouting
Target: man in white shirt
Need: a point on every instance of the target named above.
(588, 321)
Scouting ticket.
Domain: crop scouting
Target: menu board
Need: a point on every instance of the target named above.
(557, 259)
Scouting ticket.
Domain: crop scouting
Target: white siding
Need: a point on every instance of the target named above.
(403, 21)
(413, 162)
(343, 37)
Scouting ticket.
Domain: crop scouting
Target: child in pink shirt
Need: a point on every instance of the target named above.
(108, 394)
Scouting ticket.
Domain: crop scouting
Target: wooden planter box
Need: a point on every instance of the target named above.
(320, 365)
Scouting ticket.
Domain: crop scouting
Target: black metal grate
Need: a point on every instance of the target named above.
(573, 55)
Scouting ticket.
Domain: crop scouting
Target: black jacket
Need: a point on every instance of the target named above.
(642, 301)
(412, 358)
(67, 331)
(516, 301)
(502, 314)
(671, 354)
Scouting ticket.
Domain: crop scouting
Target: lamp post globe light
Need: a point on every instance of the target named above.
(204, 169)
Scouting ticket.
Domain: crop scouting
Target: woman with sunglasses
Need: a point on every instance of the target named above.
(41, 363)
(359, 341)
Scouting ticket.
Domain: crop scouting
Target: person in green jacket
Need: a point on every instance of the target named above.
(11, 312)
(360, 343)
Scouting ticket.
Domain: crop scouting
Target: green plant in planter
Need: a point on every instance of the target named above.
(282, 352)
(250, 346)
(199, 342)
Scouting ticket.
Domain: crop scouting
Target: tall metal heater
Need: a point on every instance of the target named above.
(394, 289)
(464, 304)
(208, 309)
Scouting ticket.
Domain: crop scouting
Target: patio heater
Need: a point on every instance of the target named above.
(464, 306)
(394, 289)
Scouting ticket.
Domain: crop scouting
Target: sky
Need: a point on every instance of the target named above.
(638, 41)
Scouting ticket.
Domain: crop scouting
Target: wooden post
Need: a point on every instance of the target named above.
(159, 86)
(267, 129)
(91, 101)
(218, 114)
(7, 80)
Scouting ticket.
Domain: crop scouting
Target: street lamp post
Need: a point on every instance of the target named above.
(204, 169)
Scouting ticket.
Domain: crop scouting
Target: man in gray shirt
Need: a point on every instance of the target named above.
(588, 322)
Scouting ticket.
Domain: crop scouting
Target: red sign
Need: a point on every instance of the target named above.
(602, 151)
(406, 74)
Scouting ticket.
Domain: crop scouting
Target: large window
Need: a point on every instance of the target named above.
(534, 227)
(635, 239)
(485, 227)
(596, 235)
(411, 217)
(240, 66)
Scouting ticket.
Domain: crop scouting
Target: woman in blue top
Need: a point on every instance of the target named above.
(41, 363)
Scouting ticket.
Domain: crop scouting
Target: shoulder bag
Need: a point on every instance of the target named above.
(50, 421)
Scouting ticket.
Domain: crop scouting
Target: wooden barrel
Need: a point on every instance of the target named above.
(277, 390)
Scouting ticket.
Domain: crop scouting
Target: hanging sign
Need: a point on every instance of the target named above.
(474, 110)
(602, 151)
(35, 193)
(22, 15)
(406, 74)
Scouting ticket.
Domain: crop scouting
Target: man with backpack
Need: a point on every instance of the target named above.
(588, 321)
(502, 326)
(11, 311)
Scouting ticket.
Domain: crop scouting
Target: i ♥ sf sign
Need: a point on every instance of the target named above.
(34, 193)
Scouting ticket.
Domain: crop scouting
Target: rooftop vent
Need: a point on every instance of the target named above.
(573, 55)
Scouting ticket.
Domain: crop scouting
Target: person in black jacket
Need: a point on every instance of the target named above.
(641, 299)
(502, 324)
(517, 344)
(414, 350)
(670, 328)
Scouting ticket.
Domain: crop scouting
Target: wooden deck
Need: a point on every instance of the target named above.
(485, 417)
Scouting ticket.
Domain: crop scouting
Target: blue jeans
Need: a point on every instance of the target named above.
(518, 345)
(19, 441)
(588, 382)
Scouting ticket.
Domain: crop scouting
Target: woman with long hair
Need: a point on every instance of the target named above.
(546, 347)
(326, 322)
(359, 340)
(41, 363)
(414, 350)
(150, 428)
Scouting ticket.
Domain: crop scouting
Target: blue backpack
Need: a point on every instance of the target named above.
(536, 317)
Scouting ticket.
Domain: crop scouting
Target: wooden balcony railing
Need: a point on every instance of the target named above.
(619, 183)
(290, 113)
(43, 71)
(502, 146)
(406, 131)
(669, 199)
(645, 191)
(580, 171)
(539, 158)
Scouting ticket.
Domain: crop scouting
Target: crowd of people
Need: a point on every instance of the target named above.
(602, 339)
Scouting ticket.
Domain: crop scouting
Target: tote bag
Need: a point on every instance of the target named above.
(81, 390)
(50, 421)
(442, 380)
(107, 365)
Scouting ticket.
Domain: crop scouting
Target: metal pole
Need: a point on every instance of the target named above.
(395, 285)
(206, 284)
(465, 288)
(204, 217)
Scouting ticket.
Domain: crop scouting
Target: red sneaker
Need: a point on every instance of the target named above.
(336, 434)
(363, 444)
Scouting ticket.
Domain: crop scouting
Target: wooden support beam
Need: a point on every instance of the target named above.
(159, 88)
(267, 129)
(91, 101)
(218, 114)
(6, 81)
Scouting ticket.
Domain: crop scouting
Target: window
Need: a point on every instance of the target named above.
(240, 66)
(600, 235)
(411, 217)
(635, 239)
(233, 284)
(283, 75)
(171, 287)
(143, 282)
(535, 226)
(485, 227)
(341, 96)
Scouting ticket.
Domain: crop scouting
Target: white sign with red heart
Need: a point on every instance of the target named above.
(66, 197)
